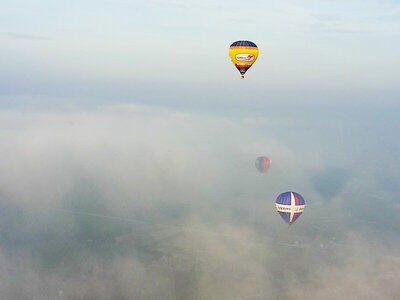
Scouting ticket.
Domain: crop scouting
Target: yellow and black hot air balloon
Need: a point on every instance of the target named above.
(243, 55)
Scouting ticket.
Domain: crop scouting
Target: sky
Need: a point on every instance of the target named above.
(161, 52)
(128, 144)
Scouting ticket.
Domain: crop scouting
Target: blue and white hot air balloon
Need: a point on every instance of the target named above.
(290, 205)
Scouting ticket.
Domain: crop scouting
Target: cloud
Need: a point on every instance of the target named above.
(141, 202)
(330, 182)
(336, 28)
(26, 36)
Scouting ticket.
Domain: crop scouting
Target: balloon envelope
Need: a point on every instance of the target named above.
(243, 54)
(262, 164)
(290, 205)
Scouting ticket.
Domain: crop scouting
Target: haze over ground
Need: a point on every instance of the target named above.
(128, 144)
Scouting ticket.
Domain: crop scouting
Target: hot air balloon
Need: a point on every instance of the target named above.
(243, 55)
(290, 205)
(262, 164)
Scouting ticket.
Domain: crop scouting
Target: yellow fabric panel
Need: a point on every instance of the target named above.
(241, 52)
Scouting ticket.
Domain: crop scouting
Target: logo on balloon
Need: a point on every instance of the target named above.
(244, 57)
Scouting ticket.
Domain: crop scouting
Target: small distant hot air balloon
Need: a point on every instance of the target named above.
(243, 55)
(290, 205)
(262, 164)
